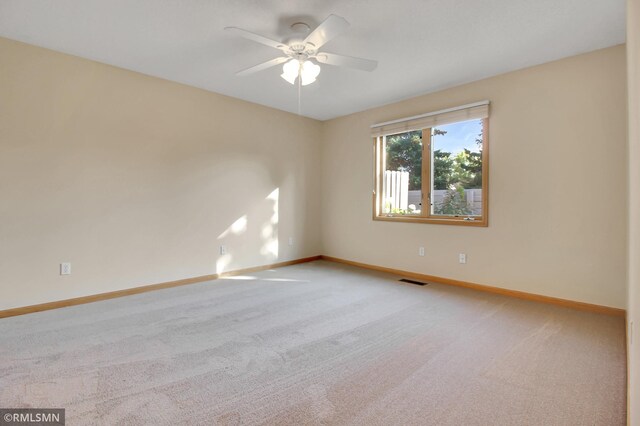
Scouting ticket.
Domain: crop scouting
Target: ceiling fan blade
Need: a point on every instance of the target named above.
(331, 27)
(257, 38)
(347, 61)
(263, 66)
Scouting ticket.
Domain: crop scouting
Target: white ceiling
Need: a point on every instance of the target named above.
(421, 45)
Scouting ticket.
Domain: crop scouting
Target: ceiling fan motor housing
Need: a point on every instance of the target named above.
(297, 47)
(300, 28)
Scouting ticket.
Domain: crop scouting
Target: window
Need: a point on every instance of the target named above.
(433, 167)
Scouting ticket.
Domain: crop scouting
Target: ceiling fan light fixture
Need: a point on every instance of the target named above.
(308, 72)
(290, 70)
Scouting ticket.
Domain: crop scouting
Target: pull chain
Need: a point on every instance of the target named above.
(299, 87)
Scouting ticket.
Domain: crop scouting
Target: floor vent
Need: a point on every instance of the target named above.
(405, 280)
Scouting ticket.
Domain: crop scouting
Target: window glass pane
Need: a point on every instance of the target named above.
(456, 174)
(402, 177)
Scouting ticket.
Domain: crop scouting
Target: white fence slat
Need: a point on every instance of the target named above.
(404, 190)
(395, 190)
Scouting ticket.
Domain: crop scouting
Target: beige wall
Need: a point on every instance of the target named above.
(558, 209)
(135, 180)
(633, 307)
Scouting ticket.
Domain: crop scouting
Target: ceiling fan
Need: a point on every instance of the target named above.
(301, 50)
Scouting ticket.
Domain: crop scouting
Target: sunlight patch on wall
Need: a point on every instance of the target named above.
(269, 230)
(270, 248)
(238, 227)
(222, 263)
(275, 197)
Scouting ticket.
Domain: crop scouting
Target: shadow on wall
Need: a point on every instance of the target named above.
(259, 227)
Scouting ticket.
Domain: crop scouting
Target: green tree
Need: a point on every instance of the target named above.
(464, 171)
(454, 203)
(472, 167)
(442, 169)
(404, 153)
(467, 169)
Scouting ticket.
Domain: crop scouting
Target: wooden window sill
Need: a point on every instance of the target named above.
(440, 221)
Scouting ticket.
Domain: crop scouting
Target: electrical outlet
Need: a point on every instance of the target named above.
(290, 241)
(420, 251)
(223, 249)
(65, 268)
(462, 258)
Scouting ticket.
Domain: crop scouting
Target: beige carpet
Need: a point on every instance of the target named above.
(317, 343)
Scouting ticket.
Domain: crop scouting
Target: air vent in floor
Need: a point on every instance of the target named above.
(405, 280)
